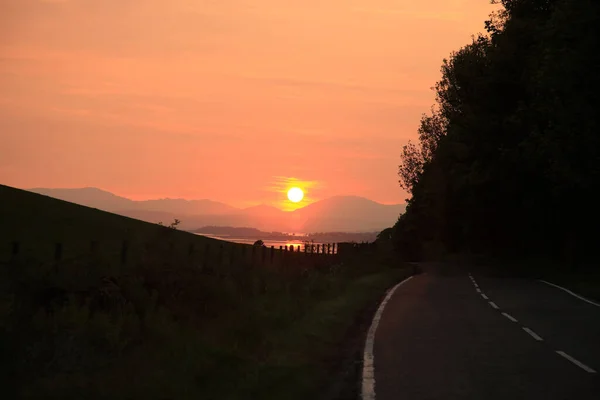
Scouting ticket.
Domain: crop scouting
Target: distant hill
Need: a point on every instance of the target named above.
(97, 198)
(347, 214)
(90, 197)
(339, 213)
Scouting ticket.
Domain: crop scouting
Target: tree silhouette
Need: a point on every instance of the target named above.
(507, 161)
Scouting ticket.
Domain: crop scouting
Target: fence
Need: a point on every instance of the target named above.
(215, 254)
(212, 256)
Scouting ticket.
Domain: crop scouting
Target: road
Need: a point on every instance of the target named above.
(445, 334)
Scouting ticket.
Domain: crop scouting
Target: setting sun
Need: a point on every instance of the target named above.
(295, 194)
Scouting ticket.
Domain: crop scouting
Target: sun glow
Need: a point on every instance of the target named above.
(295, 194)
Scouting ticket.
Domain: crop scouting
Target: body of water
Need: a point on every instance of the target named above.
(276, 243)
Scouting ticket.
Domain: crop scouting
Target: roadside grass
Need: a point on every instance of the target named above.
(160, 327)
(175, 333)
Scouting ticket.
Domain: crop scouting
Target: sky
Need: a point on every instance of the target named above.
(230, 100)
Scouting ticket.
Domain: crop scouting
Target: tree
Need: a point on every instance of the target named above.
(385, 235)
(507, 161)
(173, 224)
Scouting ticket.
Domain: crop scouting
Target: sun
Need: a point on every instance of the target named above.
(295, 194)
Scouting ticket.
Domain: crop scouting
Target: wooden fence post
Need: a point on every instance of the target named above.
(206, 256)
(16, 247)
(58, 251)
(124, 250)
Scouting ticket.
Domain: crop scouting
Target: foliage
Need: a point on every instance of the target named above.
(172, 225)
(507, 162)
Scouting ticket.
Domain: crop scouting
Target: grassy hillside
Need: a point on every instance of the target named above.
(167, 323)
(38, 222)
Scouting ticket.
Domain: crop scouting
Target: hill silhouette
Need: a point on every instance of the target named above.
(339, 213)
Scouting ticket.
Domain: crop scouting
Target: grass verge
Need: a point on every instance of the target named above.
(160, 331)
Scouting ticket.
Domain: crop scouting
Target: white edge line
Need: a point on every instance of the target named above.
(571, 293)
(494, 305)
(478, 290)
(513, 319)
(576, 362)
(533, 334)
(484, 296)
(368, 372)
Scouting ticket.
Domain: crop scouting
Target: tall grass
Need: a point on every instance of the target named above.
(163, 328)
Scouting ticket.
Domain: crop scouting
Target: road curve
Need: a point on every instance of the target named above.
(447, 334)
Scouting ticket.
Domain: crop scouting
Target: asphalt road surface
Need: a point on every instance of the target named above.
(446, 334)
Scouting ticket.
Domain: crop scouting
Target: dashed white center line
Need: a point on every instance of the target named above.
(533, 334)
(576, 362)
(513, 319)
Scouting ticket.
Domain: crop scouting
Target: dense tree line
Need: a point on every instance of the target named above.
(508, 161)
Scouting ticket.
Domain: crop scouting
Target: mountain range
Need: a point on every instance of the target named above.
(339, 213)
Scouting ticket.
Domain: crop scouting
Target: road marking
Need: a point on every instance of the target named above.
(478, 290)
(533, 334)
(484, 296)
(571, 293)
(513, 319)
(576, 362)
(368, 372)
(494, 305)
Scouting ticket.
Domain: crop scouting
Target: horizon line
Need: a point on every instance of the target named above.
(258, 204)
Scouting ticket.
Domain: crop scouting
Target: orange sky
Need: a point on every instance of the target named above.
(220, 99)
